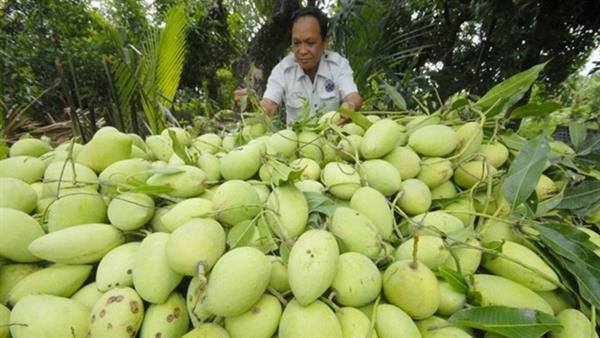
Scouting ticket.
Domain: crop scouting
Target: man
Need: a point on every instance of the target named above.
(310, 72)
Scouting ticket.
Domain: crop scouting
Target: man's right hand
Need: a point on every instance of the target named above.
(238, 93)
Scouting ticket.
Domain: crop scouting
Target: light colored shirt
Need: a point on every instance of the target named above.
(289, 84)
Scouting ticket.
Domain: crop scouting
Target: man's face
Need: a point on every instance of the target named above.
(307, 43)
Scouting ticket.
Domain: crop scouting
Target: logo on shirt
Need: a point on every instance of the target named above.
(329, 85)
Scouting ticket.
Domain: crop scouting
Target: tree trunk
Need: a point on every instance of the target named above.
(267, 48)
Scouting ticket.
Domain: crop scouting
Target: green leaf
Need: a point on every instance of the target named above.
(455, 279)
(551, 203)
(165, 170)
(179, 149)
(266, 241)
(356, 117)
(510, 91)
(577, 133)
(513, 140)
(535, 109)
(398, 100)
(319, 203)
(525, 171)
(506, 321)
(575, 253)
(531, 204)
(590, 145)
(580, 196)
(241, 234)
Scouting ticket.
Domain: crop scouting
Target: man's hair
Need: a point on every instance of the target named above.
(315, 12)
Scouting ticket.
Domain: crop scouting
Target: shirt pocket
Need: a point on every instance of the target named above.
(293, 105)
(329, 100)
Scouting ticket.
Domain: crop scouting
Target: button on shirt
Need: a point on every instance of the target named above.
(289, 84)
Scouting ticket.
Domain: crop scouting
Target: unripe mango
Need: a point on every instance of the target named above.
(310, 168)
(16, 194)
(186, 210)
(469, 258)
(470, 136)
(380, 139)
(209, 142)
(545, 188)
(210, 164)
(356, 232)
(313, 320)
(26, 168)
(312, 265)
(512, 295)
(241, 163)
(381, 175)
(130, 210)
(444, 191)
(87, 295)
(392, 322)
(471, 173)
(79, 244)
(57, 279)
(279, 275)
(406, 161)
(181, 135)
(116, 267)
(235, 201)
(357, 281)
(104, 149)
(433, 140)
(196, 242)
(546, 281)
(374, 205)
(415, 197)
(208, 330)
(118, 313)
(432, 223)
(160, 146)
(262, 320)
(289, 211)
(4, 320)
(435, 171)
(29, 147)
(404, 284)
(495, 154)
(244, 272)
(450, 299)
(462, 209)
(59, 174)
(575, 324)
(124, 172)
(431, 251)
(349, 147)
(76, 207)
(353, 129)
(166, 320)
(309, 145)
(153, 277)
(354, 323)
(187, 183)
(282, 144)
(196, 301)
(421, 121)
(18, 231)
(48, 316)
(558, 299)
(11, 274)
(341, 179)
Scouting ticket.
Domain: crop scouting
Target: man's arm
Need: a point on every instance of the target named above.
(268, 105)
(352, 101)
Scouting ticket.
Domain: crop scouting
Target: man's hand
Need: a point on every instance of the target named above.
(238, 93)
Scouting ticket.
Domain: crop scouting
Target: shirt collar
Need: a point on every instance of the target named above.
(323, 71)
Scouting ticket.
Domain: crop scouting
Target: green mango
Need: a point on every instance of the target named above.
(26, 168)
(196, 301)
(279, 274)
(288, 211)
(16, 194)
(76, 207)
(353, 129)
(87, 295)
(116, 267)
(209, 142)
(124, 172)
(18, 231)
(282, 144)
(79, 244)
(130, 210)
(29, 147)
(186, 210)
(235, 201)
(61, 175)
(431, 251)
(349, 148)
(241, 163)
(392, 322)
(106, 147)
(470, 136)
(160, 146)
(118, 313)
(434, 140)
(182, 136)
(357, 281)
(48, 316)
(189, 182)
(468, 257)
(463, 209)
(404, 284)
(11, 274)
(4, 321)
(166, 320)
(356, 232)
(496, 290)
(312, 320)
(262, 320)
(309, 145)
(434, 222)
(472, 173)
(374, 205)
(445, 190)
(380, 139)
(310, 168)
(558, 299)
(381, 175)
(406, 161)
(341, 179)
(495, 154)
(415, 197)
(244, 272)
(312, 265)
(575, 324)
(208, 330)
(435, 171)
(451, 300)
(57, 279)
(210, 164)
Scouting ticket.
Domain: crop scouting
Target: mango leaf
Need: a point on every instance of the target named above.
(535, 109)
(513, 140)
(577, 133)
(545, 206)
(583, 195)
(356, 117)
(590, 145)
(165, 170)
(575, 253)
(319, 203)
(525, 171)
(241, 234)
(531, 204)
(398, 100)
(179, 149)
(455, 279)
(506, 321)
(509, 91)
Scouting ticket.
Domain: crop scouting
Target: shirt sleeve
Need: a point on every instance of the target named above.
(345, 79)
(275, 85)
